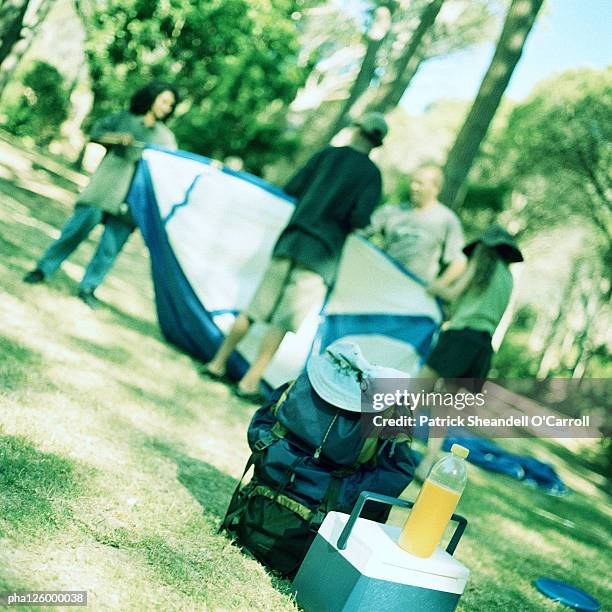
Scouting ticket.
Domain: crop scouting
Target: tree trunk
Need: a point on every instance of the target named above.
(21, 47)
(12, 13)
(393, 92)
(407, 64)
(546, 358)
(375, 37)
(518, 24)
(583, 343)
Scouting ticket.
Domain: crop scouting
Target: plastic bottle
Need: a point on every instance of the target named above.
(435, 504)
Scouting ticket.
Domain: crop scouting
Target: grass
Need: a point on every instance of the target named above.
(117, 461)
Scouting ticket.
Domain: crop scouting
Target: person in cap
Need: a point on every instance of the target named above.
(336, 192)
(424, 235)
(478, 301)
(124, 135)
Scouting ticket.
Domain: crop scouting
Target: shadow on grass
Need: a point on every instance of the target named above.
(10, 248)
(20, 256)
(43, 208)
(112, 354)
(17, 364)
(142, 326)
(168, 405)
(54, 176)
(582, 462)
(34, 487)
(521, 504)
(211, 488)
(13, 582)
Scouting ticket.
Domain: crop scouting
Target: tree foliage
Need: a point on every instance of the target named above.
(235, 62)
(555, 153)
(374, 38)
(42, 107)
(560, 147)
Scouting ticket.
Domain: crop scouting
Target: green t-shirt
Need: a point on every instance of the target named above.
(483, 310)
(336, 192)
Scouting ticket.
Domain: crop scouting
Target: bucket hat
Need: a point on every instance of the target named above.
(374, 126)
(341, 374)
(496, 237)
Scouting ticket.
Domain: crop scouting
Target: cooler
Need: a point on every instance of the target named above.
(355, 564)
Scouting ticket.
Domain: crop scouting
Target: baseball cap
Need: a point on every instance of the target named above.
(374, 126)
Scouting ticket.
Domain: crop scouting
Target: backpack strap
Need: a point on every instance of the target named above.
(282, 500)
(234, 508)
(278, 431)
(368, 450)
(275, 408)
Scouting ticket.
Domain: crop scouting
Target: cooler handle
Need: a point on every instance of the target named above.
(394, 501)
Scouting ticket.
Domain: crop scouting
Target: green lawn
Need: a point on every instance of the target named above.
(117, 461)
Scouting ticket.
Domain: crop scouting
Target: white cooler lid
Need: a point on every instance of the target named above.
(372, 549)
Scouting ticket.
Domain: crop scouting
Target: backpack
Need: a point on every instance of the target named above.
(309, 458)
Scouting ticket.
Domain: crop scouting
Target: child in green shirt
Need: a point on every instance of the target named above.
(478, 300)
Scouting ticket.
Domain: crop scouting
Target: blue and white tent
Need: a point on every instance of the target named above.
(210, 232)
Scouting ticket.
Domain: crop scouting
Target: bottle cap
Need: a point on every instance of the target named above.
(460, 451)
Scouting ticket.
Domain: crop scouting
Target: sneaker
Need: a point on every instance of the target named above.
(34, 276)
(87, 296)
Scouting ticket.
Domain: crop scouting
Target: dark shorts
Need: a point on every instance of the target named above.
(462, 353)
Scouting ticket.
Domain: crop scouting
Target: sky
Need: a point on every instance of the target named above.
(568, 34)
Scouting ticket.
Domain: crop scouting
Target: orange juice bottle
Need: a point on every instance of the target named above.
(435, 504)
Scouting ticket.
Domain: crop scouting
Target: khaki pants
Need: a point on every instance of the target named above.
(286, 294)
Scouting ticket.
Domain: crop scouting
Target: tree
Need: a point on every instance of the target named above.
(28, 27)
(566, 140)
(12, 13)
(559, 148)
(407, 63)
(519, 21)
(235, 63)
(441, 29)
(42, 107)
(555, 150)
(336, 85)
(374, 39)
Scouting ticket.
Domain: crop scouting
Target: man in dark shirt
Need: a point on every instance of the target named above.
(336, 192)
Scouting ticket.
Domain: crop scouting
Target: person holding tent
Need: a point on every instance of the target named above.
(124, 135)
(478, 300)
(425, 237)
(336, 192)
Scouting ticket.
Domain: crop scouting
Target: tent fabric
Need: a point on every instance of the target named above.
(492, 457)
(211, 231)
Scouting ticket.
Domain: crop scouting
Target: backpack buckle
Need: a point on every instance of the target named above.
(318, 517)
(264, 442)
